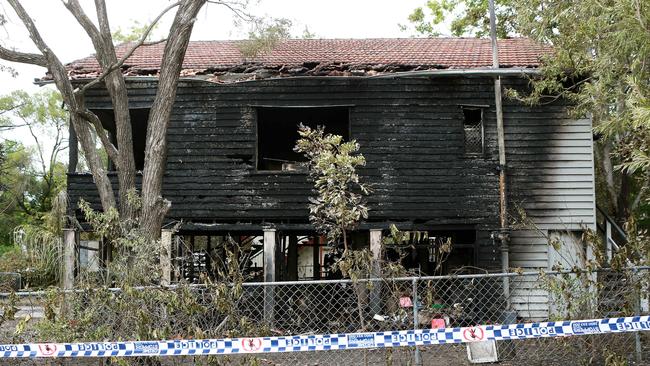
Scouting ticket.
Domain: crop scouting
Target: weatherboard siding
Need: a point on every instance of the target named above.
(551, 189)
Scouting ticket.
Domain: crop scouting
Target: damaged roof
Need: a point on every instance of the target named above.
(222, 61)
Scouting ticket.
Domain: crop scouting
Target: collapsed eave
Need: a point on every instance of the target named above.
(230, 77)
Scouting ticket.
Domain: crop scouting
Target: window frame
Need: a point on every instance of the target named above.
(481, 108)
(255, 109)
(110, 112)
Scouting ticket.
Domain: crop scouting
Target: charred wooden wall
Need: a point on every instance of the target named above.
(411, 133)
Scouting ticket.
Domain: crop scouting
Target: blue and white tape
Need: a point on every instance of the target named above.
(326, 342)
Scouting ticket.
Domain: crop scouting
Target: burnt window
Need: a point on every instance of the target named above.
(441, 252)
(473, 130)
(139, 118)
(277, 132)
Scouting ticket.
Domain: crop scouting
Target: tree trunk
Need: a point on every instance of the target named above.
(126, 170)
(95, 163)
(116, 87)
(154, 207)
(623, 204)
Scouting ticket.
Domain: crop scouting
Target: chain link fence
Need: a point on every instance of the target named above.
(344, 306)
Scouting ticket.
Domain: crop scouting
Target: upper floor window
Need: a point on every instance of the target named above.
(277, 132)
(473, 132)
(139, 119)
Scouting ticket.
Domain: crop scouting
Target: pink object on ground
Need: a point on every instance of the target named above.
(405, 302)
(438, 323)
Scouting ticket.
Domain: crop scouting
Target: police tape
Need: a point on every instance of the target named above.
(324, 342)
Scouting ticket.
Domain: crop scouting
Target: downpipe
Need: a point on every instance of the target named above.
(503, 236)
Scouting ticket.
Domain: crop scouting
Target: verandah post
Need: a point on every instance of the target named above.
(166, 257)
(69, 258)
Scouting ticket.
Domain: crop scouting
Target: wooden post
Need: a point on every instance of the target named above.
(269, 273)
(280, 267)
(73, 150)
(269, 255)
(292, 258)
(316, 256)
(375, 244)
(166, 257)
(92, 256)
(375, 249)
(69, 258)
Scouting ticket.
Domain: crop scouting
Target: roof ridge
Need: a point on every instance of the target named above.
(369, 39)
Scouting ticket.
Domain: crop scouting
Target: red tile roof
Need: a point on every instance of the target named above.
(206, 57)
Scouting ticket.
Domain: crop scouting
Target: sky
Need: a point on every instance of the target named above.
(327, 19)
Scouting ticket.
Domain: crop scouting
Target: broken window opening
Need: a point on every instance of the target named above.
(442, 252)
(473, 130)
(277, 133)
(139, 119)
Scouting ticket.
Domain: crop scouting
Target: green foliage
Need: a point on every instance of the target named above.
(36, 254)
(401, 240)
(265, 35)
(32, 177)
(600, 65)
(40, 108)
(133, 32)
(637, 249)
(131, 306)
(307, 34)
(135, 256)
(32, 184)
(339, 205)
(469, 18)
(398, 237)
(18, 190)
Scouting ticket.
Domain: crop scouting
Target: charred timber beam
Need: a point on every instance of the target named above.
(73, 146)
(258, 228)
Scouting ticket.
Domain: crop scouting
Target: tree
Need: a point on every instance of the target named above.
(339, 205)
(133, 33)
(15, 185)
(42, 116)
(86, 124)
(265, 35)
(470, 17)
(30, 176)
(599, 64)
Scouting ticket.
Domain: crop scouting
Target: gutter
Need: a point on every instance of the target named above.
(464, 72)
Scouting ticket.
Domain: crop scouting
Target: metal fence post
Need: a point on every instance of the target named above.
(269, 274)
(375, 292)
(418, 361)
(637, 305)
